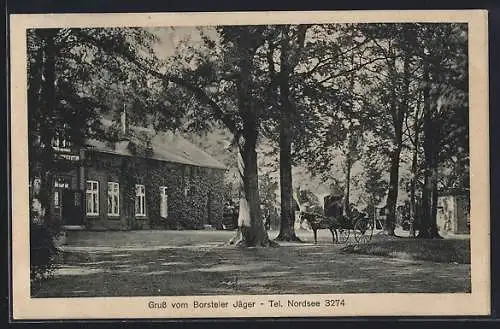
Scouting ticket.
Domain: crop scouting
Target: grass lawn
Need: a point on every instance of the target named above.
(443, 251)
(169, 263)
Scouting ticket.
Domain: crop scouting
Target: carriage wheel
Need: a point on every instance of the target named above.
(342, 235)
(363, 230)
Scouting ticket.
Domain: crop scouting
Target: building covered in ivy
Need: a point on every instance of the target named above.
(140, 179)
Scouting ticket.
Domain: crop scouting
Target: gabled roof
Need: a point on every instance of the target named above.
(166, 146)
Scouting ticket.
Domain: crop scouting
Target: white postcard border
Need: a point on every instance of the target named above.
(404, 304)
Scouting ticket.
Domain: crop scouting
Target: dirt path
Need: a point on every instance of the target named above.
(141, 269)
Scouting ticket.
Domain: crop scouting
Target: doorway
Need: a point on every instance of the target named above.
(72, 208)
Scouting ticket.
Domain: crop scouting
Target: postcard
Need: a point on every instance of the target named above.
(249, 164)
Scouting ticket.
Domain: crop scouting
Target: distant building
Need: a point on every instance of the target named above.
(453, 212)
(381, 212)
(168, 183)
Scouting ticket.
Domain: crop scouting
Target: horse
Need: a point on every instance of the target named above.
(318, 222)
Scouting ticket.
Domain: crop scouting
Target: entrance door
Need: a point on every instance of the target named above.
(72, 207)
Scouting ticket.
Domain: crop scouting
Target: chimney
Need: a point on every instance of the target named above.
(123, 120)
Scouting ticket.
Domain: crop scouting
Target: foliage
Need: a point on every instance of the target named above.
(372, 75)
(268, 192)
(350, 86)
(43, 252)
(70, 85)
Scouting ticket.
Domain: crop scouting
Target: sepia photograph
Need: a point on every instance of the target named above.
(229, 161)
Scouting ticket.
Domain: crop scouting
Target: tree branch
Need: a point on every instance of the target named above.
(325, 61)
(198, 92)
(356, 68)
(272, 75)
(408, 131)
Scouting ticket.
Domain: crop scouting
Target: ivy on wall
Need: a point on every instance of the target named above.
(130, 170)
(168, 175)
(205, 186)
(184, 211)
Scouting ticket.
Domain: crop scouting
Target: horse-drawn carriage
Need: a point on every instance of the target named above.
(340, 223)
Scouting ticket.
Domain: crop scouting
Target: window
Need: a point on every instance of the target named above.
(62, 183)
(140, 200)
(56, 199)
(60, 142)
(163, 202)
(113, 199)
(92, 196)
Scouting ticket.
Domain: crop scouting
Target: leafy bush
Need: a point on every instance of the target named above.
(43, 253)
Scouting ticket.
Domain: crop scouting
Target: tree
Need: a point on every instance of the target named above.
(415, 165)
(218, 77)
(386, 69)
(352, 155)
(246, 42)
(397, 44)
(67, 82)
(445, 109)
(41, 98)
(41, 101)
(290, 41)
(68, 89)
(398, 113)
(333, 96)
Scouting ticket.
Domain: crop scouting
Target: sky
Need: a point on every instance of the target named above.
(170, 36)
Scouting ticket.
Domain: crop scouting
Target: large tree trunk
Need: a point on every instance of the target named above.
(430, 192)
(287, 225)
(414, 171)
(428, 228)
(398, 116)
(44, 229)
(392, 195)
(251, 231)
(350, 148)
(48, 100)
(413, 187)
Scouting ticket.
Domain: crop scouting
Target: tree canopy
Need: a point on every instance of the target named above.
(362, 107)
